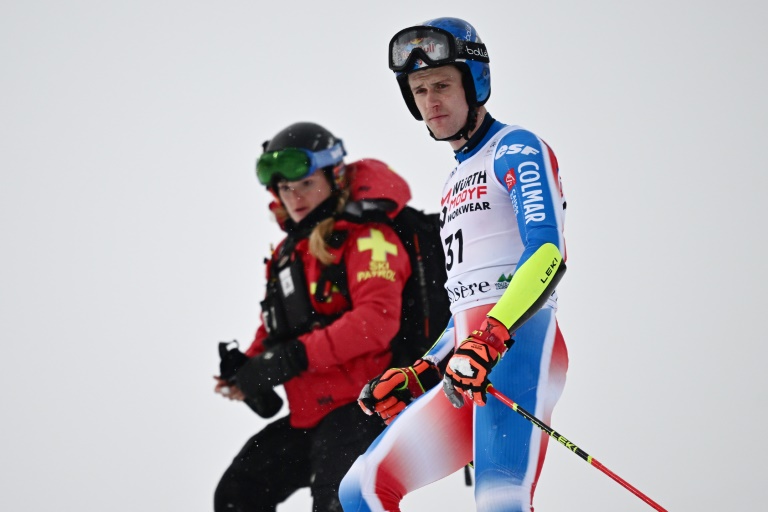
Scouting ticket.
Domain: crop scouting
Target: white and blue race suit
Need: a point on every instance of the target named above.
(502, 207)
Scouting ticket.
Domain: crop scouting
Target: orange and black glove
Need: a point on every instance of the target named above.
(468, 368)
(389, 393)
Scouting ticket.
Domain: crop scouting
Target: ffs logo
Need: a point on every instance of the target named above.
(510, 179)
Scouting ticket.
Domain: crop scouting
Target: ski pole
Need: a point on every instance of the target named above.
(575, 449)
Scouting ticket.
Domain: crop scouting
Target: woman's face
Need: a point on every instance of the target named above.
(301, 197)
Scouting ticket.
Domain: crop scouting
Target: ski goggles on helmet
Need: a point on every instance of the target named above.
(295, 164)
(434, 46)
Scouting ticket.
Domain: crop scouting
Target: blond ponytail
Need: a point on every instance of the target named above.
(318, 239)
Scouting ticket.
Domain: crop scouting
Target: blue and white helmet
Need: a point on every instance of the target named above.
(439, 42)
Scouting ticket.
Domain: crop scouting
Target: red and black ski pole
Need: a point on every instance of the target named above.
(575, 449)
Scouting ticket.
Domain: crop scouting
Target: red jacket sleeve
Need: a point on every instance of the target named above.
(377, 268)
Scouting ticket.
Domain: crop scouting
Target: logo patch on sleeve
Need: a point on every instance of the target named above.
(510, 179)
(379, 247)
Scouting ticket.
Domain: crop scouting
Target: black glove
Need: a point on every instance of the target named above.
(266, 403)
(231, 360)
(277, 365)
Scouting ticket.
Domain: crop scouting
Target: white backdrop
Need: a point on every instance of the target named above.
(133, 231)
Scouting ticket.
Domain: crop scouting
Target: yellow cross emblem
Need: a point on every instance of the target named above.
(378, 245)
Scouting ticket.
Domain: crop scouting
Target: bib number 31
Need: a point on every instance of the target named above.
(458, 237)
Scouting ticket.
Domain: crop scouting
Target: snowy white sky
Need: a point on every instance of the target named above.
(133, 231)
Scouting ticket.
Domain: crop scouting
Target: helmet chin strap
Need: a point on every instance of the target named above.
(465, 130)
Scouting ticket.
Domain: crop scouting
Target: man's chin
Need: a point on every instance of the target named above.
(440, 132)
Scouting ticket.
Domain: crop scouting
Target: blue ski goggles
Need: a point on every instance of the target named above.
(293, 164)
(434, 46)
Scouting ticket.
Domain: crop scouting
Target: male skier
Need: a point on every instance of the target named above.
(502, 214)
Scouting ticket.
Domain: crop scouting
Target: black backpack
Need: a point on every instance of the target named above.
(426, 309)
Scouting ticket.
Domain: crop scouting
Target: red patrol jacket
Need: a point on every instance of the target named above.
(346, 354)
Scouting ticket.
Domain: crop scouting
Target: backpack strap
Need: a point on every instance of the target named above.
(368, 210)
(334, 274)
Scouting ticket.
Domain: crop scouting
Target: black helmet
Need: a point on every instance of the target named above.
(309, 136)
(317, 149)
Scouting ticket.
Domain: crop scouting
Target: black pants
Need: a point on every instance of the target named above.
(280, 459)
